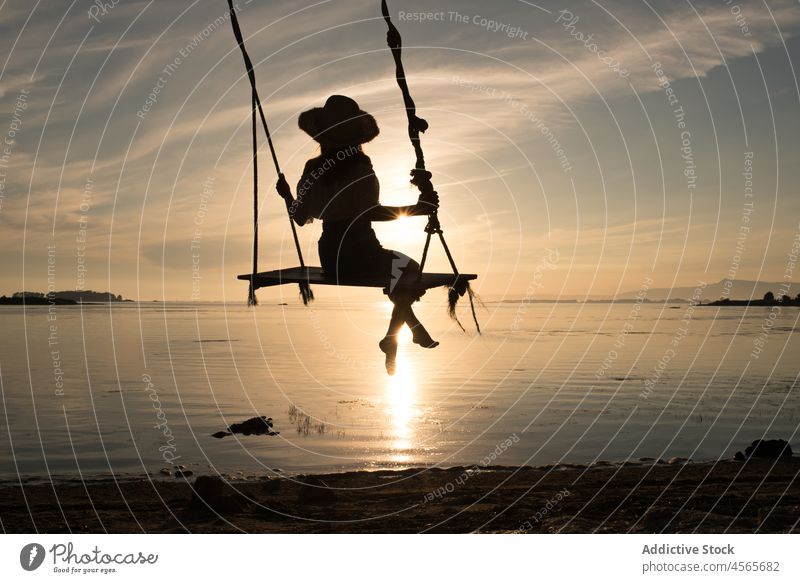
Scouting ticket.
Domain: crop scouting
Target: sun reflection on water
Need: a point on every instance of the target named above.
(401, 392)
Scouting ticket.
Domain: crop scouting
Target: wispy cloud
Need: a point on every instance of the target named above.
(499, 110)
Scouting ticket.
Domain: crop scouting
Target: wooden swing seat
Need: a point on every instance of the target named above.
(315, 276)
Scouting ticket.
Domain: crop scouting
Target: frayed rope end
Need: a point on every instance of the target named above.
(306, 293)
(453, 294)
(452, 302)
(251, 296)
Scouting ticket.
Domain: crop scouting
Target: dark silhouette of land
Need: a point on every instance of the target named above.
(768, 300)
(738, 288)
(28, 300)
(60, 298)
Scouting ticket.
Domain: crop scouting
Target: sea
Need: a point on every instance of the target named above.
(131, 389)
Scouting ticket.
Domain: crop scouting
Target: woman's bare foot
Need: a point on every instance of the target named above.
(389, 347)
(421, 337)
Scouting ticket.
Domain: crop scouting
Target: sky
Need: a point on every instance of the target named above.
(579, 148)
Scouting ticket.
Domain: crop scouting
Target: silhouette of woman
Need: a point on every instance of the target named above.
(340, 187)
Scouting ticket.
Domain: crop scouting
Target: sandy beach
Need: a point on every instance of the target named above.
(643, 497)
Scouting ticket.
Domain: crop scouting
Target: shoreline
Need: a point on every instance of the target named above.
(759, 495)
(254, 476)
(245, 476)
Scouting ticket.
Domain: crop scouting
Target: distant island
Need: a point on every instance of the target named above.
(593, 301)
(60, 298)
(711, 294)
(724, 288)
(769, 299)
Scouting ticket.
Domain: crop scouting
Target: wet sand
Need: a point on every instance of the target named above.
(647, 497)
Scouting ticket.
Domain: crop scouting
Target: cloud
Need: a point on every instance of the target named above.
(486, 97)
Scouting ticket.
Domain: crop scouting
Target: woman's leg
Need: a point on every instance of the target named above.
(407, 293)
(389, 343)
(403, 292)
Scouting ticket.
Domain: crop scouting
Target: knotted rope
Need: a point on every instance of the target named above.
(421, 178)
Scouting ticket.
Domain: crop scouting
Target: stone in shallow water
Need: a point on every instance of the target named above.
(766, 448)
(261, 425)
(254, 426)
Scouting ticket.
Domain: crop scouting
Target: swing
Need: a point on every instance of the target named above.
(315, 275)
(457, 283)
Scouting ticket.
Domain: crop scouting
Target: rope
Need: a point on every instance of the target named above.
(421, 177)
(305, 289)
(251, 294)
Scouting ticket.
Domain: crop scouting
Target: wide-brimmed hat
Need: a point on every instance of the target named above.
(339, 123)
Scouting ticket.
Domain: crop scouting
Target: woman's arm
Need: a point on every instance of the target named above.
(427, 203)
(295, 207)
(391, 213)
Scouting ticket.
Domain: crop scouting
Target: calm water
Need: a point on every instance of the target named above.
(573, 383)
